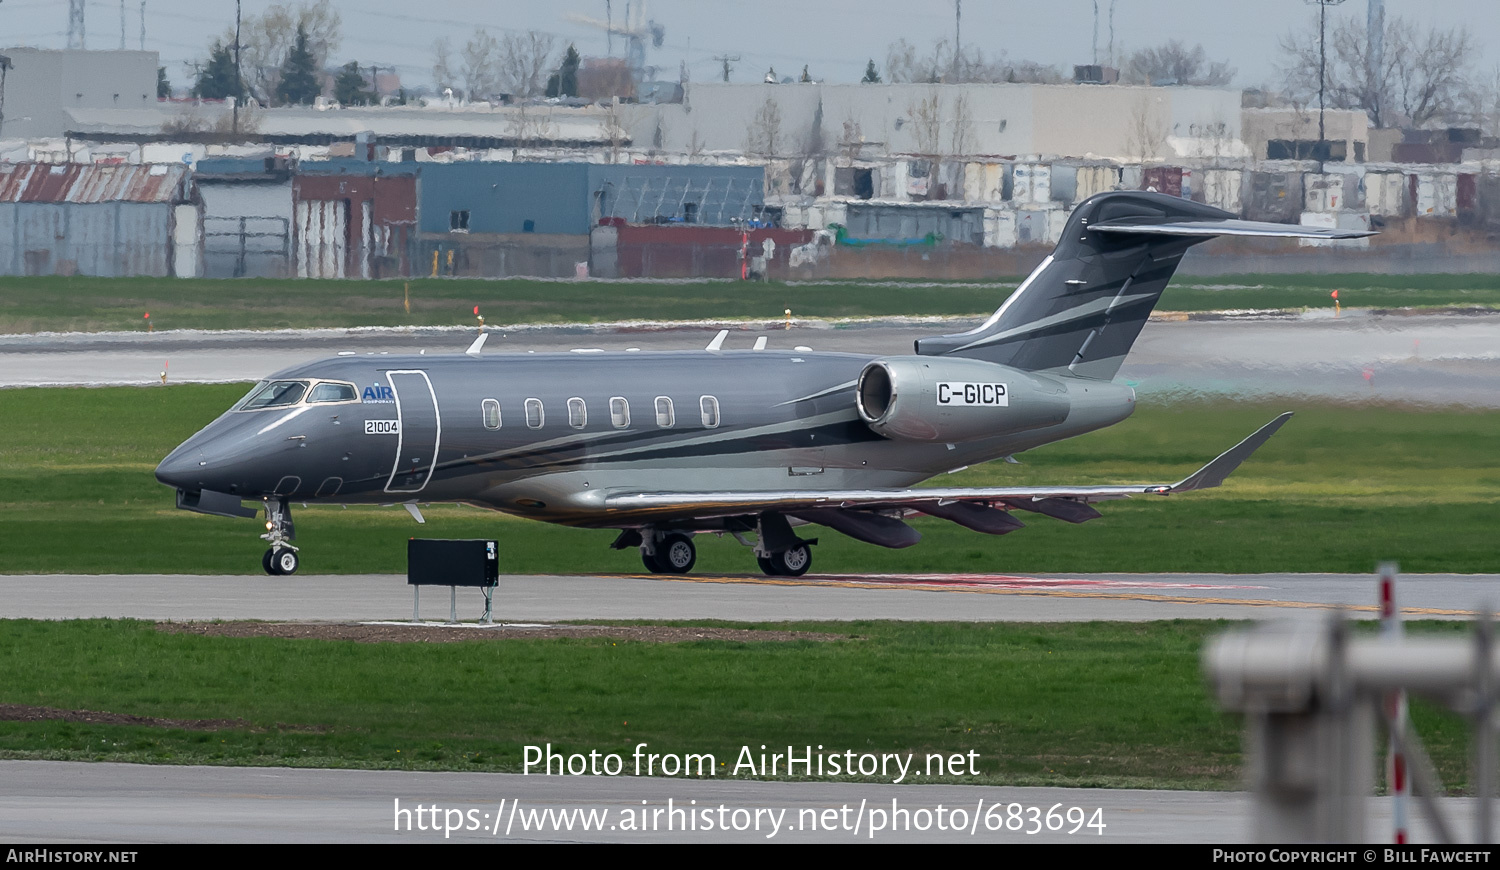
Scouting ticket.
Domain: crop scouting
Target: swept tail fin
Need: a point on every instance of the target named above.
(1081, 310)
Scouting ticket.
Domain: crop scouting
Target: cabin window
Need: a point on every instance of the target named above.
(709, 406)
(665, 418)
(535, 416)
(619, 412)
(330, 392)
(491, 408)
(276, 394)
(578, 413)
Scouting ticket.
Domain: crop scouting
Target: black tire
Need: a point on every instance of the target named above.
(794, 561)
(676, 554)
(651, 564)
(767, 566)
(286, 561)
(267, 563)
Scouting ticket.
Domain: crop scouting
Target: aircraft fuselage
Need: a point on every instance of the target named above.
(548, 436)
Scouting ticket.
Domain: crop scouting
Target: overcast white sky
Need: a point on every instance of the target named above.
(834, 38)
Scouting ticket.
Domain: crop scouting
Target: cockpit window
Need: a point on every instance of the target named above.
(275, 394)
(331, 392)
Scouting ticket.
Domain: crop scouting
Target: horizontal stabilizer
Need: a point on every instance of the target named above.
(1138, 226)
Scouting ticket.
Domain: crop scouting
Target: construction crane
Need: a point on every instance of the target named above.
(636, 29)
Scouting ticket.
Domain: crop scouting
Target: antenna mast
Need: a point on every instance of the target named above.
(76, 36)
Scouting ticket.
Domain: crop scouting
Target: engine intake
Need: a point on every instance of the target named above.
(925, 398)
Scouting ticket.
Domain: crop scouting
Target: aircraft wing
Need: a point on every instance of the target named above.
(1068, 503)
(1230, 227)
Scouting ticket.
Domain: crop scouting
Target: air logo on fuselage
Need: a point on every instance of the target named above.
(957, 393)
(377, 394)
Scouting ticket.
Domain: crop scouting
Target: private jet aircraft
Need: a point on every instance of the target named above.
(665, 445)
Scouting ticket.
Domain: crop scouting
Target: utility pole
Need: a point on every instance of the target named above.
(77, 38)
(239, 84)
(1322, 63)
(958, 35)
(4, 66)
(122, 25)
(143, 25)
(726, 59)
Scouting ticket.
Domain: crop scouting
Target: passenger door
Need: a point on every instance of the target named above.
(421, 431)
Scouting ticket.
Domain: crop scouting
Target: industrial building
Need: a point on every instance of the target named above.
(109, 221)
(42, 85)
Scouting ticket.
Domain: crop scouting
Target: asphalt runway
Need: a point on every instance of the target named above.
(1443, 359)
(72, 802)
(747, 598)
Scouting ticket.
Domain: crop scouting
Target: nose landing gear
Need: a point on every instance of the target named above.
(282, 557)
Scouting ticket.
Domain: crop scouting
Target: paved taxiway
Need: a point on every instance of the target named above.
(69, 802)
(969, 597)
(1443, 359)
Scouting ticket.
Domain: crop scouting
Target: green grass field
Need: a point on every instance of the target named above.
(98, 304)
(1337, 490)
(1116, 705)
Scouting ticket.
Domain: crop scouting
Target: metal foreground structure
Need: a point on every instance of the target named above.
(1311, 693)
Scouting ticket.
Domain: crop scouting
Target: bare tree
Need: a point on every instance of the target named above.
(442, 65)
(525, 61)
(1146, 130)
(927, 122)
(962, 126)
(265, 40)
(1424, 77)
(904, 63)
(480, 59)
(852, 140)
(763, 137)
(529, 125)
(1173, 63)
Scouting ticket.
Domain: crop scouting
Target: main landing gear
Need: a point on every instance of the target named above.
(794, 561)
(778, 551)
(282, 557)
(674, 553)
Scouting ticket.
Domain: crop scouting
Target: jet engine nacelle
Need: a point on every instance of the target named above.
(930, 398)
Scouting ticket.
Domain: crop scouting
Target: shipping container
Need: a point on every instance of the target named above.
(1000, 227)
(1033, 183)
(1163, 179)
(1222, 189)
(1095, 179)
(1386, 194)
(1274, 196)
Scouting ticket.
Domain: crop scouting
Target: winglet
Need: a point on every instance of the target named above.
(478, 343)
(718, 340)
(1213, 473)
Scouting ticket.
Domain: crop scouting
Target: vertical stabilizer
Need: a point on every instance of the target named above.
(1081, 310)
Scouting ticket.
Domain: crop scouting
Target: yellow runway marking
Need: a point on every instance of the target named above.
(1044, 593)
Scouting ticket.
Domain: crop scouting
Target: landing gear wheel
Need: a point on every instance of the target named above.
(651, 564)
(791, 562)
(285, 561)
(268, 563)
(676, 554)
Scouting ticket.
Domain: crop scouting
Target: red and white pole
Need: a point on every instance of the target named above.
(1395, 707)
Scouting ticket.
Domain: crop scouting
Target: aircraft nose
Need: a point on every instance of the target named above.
(182, 467)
